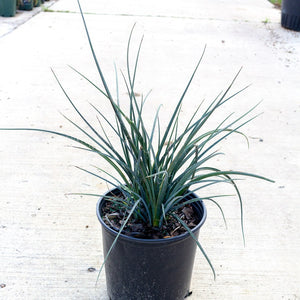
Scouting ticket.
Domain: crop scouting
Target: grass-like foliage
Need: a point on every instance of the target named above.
(157, 167)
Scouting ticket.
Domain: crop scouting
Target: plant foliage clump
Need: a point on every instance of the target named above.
(157, 168)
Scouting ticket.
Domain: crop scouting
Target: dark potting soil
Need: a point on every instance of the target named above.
(114, 219)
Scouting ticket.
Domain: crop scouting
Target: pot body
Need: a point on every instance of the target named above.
(290, 14)
(149, 269)
(8, 8)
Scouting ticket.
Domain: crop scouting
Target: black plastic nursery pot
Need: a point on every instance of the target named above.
(290, 14)
(8, 8)
(149, 269)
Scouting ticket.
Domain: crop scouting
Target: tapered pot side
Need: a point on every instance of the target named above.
(149, 269)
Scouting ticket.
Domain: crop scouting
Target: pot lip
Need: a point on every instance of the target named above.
(150, 241)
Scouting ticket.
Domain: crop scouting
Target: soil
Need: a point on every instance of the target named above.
(114, 218)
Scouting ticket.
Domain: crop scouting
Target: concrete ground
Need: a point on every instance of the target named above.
(50, 242)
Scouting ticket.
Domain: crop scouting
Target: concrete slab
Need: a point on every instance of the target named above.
(50, 242)
(219, 9)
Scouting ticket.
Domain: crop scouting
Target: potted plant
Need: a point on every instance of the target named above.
(152, 216)
(26, 4)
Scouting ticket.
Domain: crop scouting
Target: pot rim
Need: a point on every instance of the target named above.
(150, 241)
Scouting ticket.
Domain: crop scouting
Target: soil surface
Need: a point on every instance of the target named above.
(114, 218)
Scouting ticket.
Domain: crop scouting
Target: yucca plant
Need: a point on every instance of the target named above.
(155, 168)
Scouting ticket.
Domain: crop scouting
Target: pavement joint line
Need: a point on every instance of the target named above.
(159, 16)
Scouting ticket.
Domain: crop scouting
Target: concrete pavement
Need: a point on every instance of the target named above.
(50, 242)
